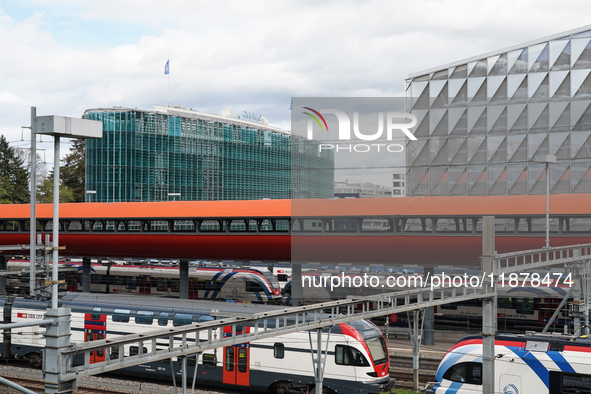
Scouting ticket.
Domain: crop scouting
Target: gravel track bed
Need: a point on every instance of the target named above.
(114, 385)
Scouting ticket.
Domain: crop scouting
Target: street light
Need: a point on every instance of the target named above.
(58, 126)
(90, 193)
(547, 159)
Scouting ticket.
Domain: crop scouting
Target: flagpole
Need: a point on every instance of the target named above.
(169, 82)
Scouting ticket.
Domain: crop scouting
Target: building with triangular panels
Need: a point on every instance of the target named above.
(481, 122)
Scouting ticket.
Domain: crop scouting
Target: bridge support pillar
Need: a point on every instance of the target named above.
(57, 340)
(184, 280)
(85, 275)
(296, 284)
(488, 306)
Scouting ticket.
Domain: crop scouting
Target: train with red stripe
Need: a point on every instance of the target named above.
(538, 363)
(357, 360)
(243, 284)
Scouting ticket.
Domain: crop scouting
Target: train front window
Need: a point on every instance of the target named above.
(377, 348)
(272, 280)
(465, 373)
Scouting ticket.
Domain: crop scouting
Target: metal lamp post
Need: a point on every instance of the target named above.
(58, 126)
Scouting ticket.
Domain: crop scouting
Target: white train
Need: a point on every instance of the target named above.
(248, 284)
(357, 360)
(540, 364)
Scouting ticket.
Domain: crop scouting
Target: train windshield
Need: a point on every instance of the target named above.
(272, 279)
(374, 339)
(377, 348)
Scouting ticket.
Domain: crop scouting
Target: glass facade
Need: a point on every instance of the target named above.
(175, 154)
(482, 122)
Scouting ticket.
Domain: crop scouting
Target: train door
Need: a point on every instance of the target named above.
(95, 329)
(236, 364)
(236, 361)
(510, 384)
(145, 284)
(72, 281)
(193, 288)
(98, 355)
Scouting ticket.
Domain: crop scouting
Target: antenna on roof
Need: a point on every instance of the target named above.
(227, 112)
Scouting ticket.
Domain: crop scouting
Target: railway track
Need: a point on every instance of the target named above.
(401, 370)
(39, 386)
(32, 379)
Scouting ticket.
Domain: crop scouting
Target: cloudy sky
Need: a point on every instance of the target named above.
(64, 56)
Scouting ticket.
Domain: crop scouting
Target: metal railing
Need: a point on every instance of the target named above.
(538, 258)
(195, 338)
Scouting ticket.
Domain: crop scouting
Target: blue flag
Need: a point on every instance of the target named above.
(166, 68)
(290, 104)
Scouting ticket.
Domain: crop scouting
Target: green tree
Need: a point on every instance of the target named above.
(4, 197)
(14, 174)
(45, 192)
(72, 170)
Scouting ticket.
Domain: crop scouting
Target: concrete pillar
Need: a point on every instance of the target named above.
(57, 340)
(3, 277)
(184, 280)
(85, 275)
(296, 284)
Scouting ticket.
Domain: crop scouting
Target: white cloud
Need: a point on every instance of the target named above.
(246, 55)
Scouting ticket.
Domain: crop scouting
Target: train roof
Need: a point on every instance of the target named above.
(108, 302)
(561, 204)
(135, 302)
(521, 340)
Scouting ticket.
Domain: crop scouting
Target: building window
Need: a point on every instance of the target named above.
(396, 192)
(396, 176)
(396, 184)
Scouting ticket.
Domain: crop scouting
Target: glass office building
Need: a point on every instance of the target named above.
(484, 122)
(180, 154)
